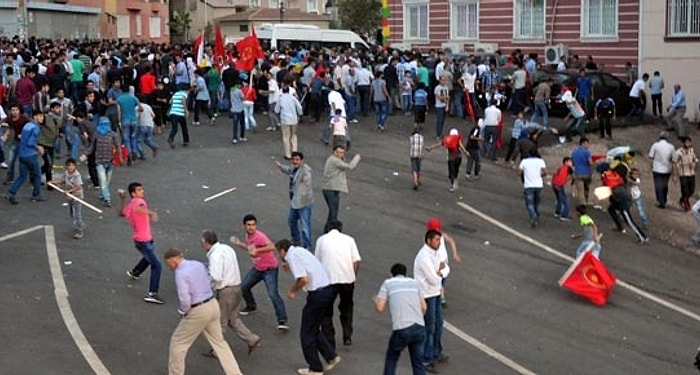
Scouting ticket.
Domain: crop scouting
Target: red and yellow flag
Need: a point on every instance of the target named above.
(589, 278)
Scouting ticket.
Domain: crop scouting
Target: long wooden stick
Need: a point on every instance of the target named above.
(220, 194)
(86, 204)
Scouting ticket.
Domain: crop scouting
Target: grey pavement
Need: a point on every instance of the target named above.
(504, 294)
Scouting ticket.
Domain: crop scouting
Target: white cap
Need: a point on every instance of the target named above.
(454, 131)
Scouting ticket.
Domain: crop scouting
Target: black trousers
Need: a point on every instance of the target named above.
(605, 127)
(345, 308)
(453, 168)
(656, 103)
(48, 158)
(92, 170)
(687, 189)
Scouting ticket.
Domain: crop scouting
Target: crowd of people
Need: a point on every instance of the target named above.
(105, 101)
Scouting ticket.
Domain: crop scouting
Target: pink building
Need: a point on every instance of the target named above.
(606, 29)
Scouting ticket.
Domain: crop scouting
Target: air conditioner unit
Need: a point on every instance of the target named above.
(485, 47)
(401, 46)
(552, 54)
(452, 48)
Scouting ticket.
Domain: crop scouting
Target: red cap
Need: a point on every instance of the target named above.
(434, 224)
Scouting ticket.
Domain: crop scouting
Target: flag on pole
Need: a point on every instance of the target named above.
(589, 278)
(470, 108)
(249, 51)
(199, 49)
(219, 49)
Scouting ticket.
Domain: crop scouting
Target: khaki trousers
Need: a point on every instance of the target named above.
(583, 188)
(289, 139)
(201, 319)
(229, 300)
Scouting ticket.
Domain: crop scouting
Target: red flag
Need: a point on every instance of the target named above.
(499, 141)
(198, 49)
(248, 51)
(589, 278)
(219, 49)
(469, 106)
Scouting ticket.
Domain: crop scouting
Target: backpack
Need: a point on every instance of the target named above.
(612, 179)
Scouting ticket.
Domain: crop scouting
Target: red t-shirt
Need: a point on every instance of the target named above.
(147, 84)
(249, 93)
(561, 176)
(139, 221)
(263, 261)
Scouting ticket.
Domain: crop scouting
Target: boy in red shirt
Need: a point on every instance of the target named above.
(561, 177)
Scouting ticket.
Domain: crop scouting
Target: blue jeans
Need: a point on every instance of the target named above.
(406, 102)
(13, 157)
(639, 203)
(313, 341)
(238, 129)
(696, 236)
(332, 198)
(562, 205)
(351, 107)
(533, 196)
(130, 137)
(27, 165)
(439, 120)
(145, 135)
(661, 187)
(585, 102)
(595, 249)
(149, 258)
(490, 136)
(180, 121)
(458, 103)
(363, 92)
(382, 109)
(412, 337)
(433, 330)
(542, 110)
(27, 110)
(76, 214)
(252, 278)
(249, 116)
(575, 124)
(104, 175)
(304, 215)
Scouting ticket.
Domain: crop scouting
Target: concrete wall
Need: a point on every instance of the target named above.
(675, 60)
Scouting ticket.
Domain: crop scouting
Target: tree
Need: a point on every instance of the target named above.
(363, 16)
(180, 24)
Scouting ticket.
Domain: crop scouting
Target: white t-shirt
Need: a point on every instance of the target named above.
(145, 117)
(338, 253)
(441, 90)
(334, 97)
(636, 88)
(469, 80)
(532, 172)
(273, 90)
(339, 125)
(492, 116)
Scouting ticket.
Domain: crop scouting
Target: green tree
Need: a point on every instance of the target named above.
(363, 16)
(180, 24)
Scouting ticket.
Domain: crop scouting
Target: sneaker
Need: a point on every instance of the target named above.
(244, 139)
(195, 123)
(153, 298)
(557, 215)
(270, 128)
(10, 199)
(533, 223)
(354, 121)
(107, 204)
(171, 143)
(430, 368)
(234, 141)
(77, 235)
(331, 365)
(282, 326)
(468, 176)
(248, 311)
(443, 358)
(307, 371)
(38, 199)
(347, 342)
(4, 165)
(564, 218)
(132, 275)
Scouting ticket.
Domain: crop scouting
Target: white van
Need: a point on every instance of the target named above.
(276, 36)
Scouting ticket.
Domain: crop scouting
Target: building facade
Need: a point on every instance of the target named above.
(672, 47)
(605, 29)
(141, 20)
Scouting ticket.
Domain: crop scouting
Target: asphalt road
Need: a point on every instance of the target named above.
(504, 294)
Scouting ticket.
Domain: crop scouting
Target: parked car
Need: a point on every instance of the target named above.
(602, 83)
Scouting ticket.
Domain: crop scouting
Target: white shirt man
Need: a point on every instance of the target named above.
(336, 101)
(339, 255)
(225, 278)
(636, 88)
(492, 116)
(532, 169)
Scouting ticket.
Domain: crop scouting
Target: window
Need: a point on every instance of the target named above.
(154, 26)
(683, 18)
(528, 19)
(254, 3)
(311, 6)
(599, 19)
(415, 21)
(123, 27)
(274, 3)
(464, 19)
(243, 28)
(137, 16)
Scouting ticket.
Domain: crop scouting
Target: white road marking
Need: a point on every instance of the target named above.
(621, 283)
(20, 233)
(488, 350)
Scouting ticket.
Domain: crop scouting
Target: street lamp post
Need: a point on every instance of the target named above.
(282, 10)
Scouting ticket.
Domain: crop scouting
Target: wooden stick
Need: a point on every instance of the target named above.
(220, 194)
(86, 204)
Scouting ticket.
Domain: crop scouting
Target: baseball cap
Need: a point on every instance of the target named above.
(434, 224)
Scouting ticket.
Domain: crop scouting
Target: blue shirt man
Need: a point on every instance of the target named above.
(29, 140)
(581, 157)
(28, 150)
(584, 86)
(127, 103)
(678, 98)
(420, 97)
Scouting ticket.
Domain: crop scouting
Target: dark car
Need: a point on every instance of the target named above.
(602, 83)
